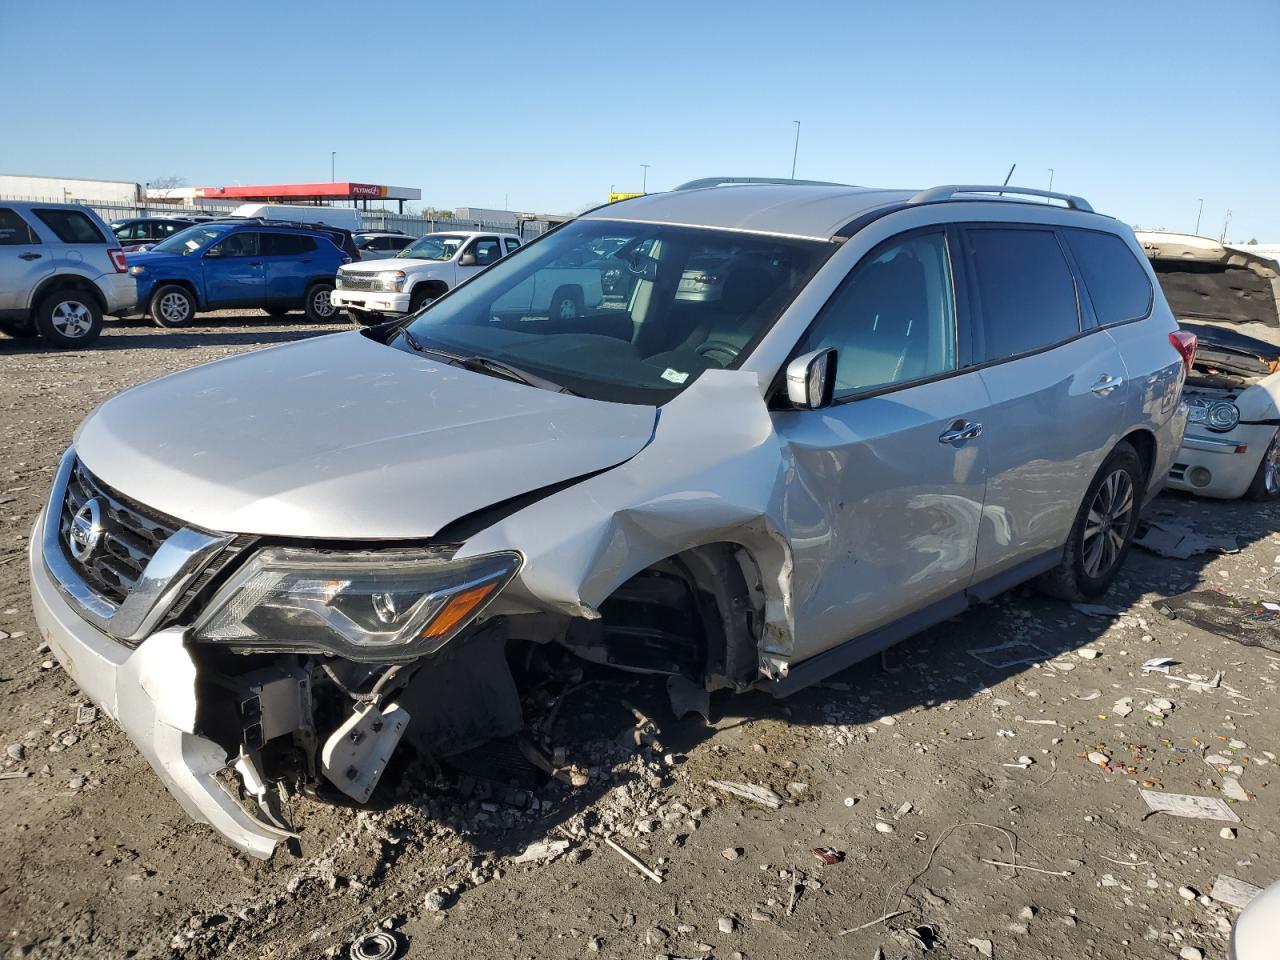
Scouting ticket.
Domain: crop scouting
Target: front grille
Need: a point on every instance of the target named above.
(131, 535)
(356, 281)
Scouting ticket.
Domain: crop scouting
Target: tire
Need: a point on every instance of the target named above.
(172, 306)
(19, 329)
(421, 298)
(1095, 551)
(69, 318)
(277, 312)
(1266, 482)
(566, 304)
(318, 306)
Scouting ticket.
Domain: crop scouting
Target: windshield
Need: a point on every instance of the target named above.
(435, 246)
(189, 240)
(636, 324)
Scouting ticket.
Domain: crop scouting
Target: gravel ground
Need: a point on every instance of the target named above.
(929, 771)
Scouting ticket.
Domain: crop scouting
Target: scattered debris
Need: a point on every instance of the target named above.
(1178, 541)
(1233, 892)
(828, 854)
(747, 791)
(1232, 790)
(731, 853)
(544, 851)
(1185, 805)
(1227, 833)
(632, 859)
(882, 827)
(1095, 610)
(379, 945)
(688, 697)
(1243, 621)
(984, 947)
(1159, 665)
(1015, 653)
(86, 713)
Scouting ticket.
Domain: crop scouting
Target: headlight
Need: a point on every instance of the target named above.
(383, 607)
(137, 271)
(1218, 415)
(391, 280)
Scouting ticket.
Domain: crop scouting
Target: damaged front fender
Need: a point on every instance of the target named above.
(691, 486)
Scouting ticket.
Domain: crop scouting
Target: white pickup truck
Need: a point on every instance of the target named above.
(431, 266)
(418, 274)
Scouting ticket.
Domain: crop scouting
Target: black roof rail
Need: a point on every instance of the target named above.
(730, 181)
(956, 191)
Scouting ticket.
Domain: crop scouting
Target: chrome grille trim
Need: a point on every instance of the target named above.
(357, 281)
(148, 561)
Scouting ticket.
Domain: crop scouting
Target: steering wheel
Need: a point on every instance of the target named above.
(714, 346)
(641, 266)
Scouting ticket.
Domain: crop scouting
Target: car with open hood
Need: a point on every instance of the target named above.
(1229, 297)
(277, 570)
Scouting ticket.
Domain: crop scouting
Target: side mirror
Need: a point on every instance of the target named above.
(811, 378)
(467, 260)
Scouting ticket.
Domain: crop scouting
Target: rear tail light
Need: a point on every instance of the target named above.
(117, 260)
(1185, 344)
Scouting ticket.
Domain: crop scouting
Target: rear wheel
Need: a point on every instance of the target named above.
(319, 306)
(1103, 531)
(1266, 482)
(69, 318)
(172, 306)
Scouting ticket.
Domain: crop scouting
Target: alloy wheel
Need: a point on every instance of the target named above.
(175, 308)
(320, 303)
(1271, 467)
(72, 319)
(1107, 523)
(567, 310)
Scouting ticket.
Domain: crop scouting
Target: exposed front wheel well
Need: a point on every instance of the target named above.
(693, 614)
(430, 288)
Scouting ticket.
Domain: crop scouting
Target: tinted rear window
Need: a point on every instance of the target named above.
(285, 244)
(71, 226)
(1117, 284)
(14, 230)
(1025, 287)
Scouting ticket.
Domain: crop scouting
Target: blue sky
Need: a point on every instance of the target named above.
(1141, 107)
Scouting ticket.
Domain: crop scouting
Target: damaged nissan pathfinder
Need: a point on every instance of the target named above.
(275, 570)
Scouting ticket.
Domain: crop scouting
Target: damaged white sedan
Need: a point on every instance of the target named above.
(293, 563)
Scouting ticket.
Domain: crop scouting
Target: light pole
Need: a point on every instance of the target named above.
(1051, 179)
(1198, 212)
(332, 165)
(795, 152)
(644, 181)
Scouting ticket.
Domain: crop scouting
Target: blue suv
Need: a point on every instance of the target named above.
(275, 266)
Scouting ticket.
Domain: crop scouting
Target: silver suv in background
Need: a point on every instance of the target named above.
(897, 404)
(61, 269)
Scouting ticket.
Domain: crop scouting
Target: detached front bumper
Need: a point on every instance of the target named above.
(374, 301)
(149, 691)
(1220, 465)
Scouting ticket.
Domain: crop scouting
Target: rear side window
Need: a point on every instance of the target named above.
(285, 244)
(512, 244)
(14, 230)
(1117, 284)
(1025, 288)
(71, 226)
(486, 251)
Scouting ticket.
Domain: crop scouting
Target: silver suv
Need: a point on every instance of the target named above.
(898, 403)
(61, 269)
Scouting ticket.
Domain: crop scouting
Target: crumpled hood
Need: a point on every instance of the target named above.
(341, 437)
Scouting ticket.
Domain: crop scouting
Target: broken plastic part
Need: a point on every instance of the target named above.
(356, 754)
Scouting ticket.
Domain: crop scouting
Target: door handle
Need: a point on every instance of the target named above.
(960, 431)
(28, 256)
(1107, 384)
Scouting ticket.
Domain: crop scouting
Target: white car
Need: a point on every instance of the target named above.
(1229, 297)
(426, 269)
(1257, 929)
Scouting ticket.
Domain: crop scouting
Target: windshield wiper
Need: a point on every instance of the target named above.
(482, 364)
